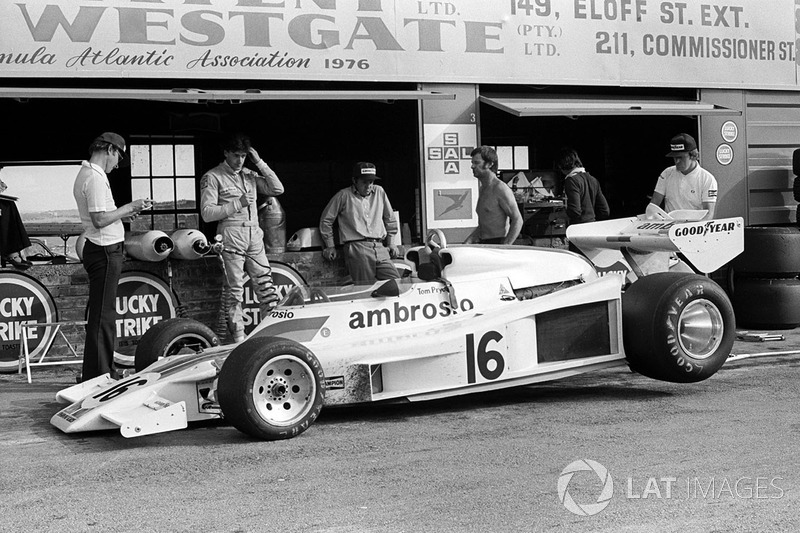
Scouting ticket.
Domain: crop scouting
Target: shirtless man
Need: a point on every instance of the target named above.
(499, 219)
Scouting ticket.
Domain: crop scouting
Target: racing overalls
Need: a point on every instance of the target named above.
(221, 191)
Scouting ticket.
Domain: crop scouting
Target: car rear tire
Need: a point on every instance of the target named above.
(271, 388)
(677, 327)
(769, 303)
(769, 251)
(173, 336)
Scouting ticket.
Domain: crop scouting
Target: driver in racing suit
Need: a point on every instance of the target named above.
(228, 195)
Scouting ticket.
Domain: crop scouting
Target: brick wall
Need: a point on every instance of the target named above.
(197, 285)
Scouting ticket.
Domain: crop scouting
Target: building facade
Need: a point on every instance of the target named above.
(412, 86)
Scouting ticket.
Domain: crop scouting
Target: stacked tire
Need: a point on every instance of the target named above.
(763, 281)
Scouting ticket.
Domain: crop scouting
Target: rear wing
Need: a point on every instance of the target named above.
(705, 245)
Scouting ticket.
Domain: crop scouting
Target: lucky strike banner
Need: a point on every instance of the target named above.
(716, 43)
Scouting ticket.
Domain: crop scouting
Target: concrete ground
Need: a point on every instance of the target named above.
(788, 344)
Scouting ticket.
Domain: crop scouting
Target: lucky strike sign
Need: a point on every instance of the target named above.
(719, 44)
(142, 301)
(23, 300)
(284, 277)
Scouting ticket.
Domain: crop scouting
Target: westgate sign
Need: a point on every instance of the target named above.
(736, 43)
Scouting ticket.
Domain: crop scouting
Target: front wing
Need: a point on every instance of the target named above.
(164, 397)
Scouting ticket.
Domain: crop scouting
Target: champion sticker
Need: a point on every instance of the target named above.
(334, 383)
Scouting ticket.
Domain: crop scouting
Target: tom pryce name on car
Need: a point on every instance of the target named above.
(401, 313)
(705, 229)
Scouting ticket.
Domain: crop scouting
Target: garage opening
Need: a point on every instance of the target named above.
(621, 135)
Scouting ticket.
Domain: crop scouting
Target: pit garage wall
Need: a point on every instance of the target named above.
(757, 181)
(772, 134)
(448, 133)
(723, 151)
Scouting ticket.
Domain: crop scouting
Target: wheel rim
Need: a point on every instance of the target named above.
(186, 344)
(700, 329)
(284, 390)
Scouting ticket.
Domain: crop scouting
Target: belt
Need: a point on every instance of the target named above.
(365, 239)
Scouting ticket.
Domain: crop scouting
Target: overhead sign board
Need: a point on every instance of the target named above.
(738, 43)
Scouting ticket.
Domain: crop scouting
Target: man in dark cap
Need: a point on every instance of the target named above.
(686, 185)
(366, 227)
(102, 254)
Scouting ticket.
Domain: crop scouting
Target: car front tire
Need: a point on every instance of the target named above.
(271, 388)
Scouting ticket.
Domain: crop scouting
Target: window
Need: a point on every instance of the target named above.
(163, 168)
(43, 191)
(512, 157)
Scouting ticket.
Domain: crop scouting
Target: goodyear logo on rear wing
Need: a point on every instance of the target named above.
(705, 228)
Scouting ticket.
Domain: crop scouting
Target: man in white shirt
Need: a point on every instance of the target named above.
(686, 185)
(103, 252)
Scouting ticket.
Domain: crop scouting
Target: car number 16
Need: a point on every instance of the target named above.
(490, 363)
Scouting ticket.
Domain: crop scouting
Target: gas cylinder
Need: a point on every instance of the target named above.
(153, 245)
(272, 219)
(189, 244)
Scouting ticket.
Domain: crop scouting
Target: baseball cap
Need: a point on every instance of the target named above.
(112, 138)
(117, 142)
(365, 170)
(680, 144)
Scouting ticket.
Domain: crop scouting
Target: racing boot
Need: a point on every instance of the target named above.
(236, 322)
(267, 295)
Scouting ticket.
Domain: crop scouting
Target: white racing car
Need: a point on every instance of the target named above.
(470, 319)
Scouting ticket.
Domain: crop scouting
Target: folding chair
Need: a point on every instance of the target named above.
(24, 353)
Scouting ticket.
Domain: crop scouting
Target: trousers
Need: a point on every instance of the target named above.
(368, 261)
(246, 255)
(103, 264)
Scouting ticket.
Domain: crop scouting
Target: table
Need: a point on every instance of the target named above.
(544, 218)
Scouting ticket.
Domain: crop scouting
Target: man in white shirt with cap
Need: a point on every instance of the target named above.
(686, 185)
(103, 252)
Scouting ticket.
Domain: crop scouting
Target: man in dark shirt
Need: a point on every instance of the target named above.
(585, 200)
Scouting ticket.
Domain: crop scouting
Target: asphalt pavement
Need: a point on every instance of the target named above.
(788, 343)
(718, 455)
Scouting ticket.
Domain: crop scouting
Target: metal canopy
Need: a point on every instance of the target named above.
(535, 107)
(213, 95)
